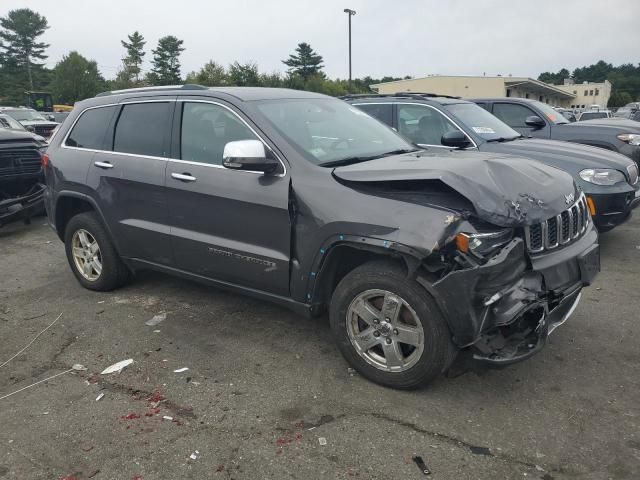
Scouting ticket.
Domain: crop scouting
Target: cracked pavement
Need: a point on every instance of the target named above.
(264, 385)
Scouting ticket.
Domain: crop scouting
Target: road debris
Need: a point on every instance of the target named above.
(34, 339)
(417, 459)
(180, 370)
(322, 441)
(156, 319)
(117, 367)
(76, 367)
(167, 417)
(194, 455)
(99, 397)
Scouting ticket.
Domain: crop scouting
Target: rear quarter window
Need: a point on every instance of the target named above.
(90, 129)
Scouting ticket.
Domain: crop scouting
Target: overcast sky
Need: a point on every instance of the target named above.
(401, 37)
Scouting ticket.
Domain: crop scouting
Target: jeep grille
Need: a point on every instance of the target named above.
(559, 230)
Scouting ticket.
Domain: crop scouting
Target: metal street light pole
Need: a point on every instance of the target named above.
(350, 13)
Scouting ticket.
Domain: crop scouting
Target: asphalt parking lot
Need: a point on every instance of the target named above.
(264, 386)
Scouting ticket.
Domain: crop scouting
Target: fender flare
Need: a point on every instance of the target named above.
(89, 199)
(411, 257)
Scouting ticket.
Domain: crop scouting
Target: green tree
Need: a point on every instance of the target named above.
(244, 75)
(554, 78)
(20, 31)
(129, 74)
(212, 74)
(76, 78)
(305, 62)
(619, 99)
(166, 61)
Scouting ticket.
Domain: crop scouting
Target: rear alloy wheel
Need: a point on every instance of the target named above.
(86, 255)
(389, 328)
(91, 254)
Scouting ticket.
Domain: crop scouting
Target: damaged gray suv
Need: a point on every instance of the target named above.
(304, 200)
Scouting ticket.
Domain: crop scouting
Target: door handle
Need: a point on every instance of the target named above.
(104, 165)
(183, 177)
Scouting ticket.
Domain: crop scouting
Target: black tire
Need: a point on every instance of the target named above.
(114, 272)
(438, 351)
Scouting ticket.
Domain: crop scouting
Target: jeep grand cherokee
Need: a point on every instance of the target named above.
(304, 200)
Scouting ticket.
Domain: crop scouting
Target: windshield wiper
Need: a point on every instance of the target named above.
(352, 160)
(503, 139)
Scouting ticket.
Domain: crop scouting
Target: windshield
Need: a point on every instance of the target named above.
(22, 115)
(329, 130)
(623, 112)
(552, 115)
(481, 122)
(8, 122)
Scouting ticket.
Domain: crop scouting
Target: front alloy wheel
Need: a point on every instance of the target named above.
(385, 330)
(388, 327)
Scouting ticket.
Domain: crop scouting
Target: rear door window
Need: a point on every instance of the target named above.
(142, 129)
(381, 111)
(423, 125)
(90, 129)
(512, 114)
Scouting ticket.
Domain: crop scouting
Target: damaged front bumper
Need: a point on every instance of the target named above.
(504, 310)
(24, 206)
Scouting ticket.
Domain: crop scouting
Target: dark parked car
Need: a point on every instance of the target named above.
(536, 119)
(21, 181)
(568, 114)
(29, 118)
(304, 200)
(629, 111)
(609, 180)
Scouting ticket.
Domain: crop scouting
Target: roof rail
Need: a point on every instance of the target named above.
(397, 94)
(187, 86)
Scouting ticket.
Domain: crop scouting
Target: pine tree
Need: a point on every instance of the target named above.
(166, 61)
(132, 63)
(305, 62)
(20, 30)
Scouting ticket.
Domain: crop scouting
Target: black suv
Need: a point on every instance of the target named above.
(21, 180)
(304, 200)
(536, 119)
(609, 180)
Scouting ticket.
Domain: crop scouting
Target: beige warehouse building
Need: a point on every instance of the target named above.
(586, 94)
(476, 86)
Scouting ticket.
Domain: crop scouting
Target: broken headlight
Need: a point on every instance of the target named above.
(602, 176)
(482, 245)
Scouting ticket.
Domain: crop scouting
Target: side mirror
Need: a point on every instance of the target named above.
(30, 128)
(455, 139)
(535, 122)
(248, 155)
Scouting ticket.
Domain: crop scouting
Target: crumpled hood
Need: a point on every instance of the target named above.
(571, 157)
(505, 190)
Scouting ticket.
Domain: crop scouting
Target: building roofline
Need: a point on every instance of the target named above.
(532, 81)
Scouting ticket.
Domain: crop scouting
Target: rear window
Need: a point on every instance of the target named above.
(90, 129)
(142, 129)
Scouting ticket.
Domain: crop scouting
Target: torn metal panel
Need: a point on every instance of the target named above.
(504, 190)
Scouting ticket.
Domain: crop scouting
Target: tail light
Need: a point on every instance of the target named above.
(45, 160)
